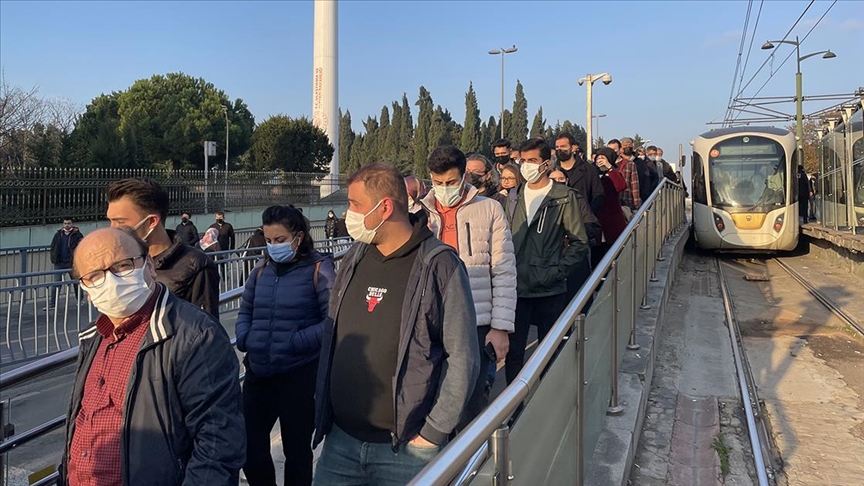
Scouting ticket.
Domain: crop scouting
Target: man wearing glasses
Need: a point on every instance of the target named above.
(156, 397)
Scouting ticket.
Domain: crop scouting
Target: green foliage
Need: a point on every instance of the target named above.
(538, 125)
(517, 128)
(293, 145)
(472, 137)
(346, 140)
(426, 110)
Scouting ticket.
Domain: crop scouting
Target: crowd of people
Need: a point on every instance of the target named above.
(384, 360)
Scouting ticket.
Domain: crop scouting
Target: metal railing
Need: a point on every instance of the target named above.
(43, 312)
(543, 428)
(29, 259)
(64, 360)
(39, 195)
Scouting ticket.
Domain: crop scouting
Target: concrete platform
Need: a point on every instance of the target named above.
(841, 248)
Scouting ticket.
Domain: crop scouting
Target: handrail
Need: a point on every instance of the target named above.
(455, 459)
(65, 358)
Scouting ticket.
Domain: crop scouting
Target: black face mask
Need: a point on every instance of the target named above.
(476, 180)
(502, 159)
(628, 151)
(220, 220)
(184, 220)
(563, 154)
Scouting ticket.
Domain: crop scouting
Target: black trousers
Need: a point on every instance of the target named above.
(289, 397)
(478, 400)
(539, 311)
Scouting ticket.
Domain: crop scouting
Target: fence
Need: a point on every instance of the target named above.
(543, 428)
(42, 313)
(840, 187)
(34, 195)
(30, 259)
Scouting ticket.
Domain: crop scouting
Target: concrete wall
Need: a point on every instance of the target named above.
(41, 235)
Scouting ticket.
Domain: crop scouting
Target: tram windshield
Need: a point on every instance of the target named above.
(747, 173)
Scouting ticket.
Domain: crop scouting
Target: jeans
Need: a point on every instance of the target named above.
(346, 461)
(59, 277)
(290, 398)
(539, 311)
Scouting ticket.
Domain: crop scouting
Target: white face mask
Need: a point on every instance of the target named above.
(141, 223)
(355, 223)
(121, 297)
(531, 172)
(448, 196)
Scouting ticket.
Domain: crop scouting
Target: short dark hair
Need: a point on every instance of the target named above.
(67, 219)
(502, 142)
(570, 139)
(293, 220)
(651, 147)
(614, 141)
(220, 213)
(383, 180)
(144, 192)
(186, 212)
(444, 158)
(537, 143)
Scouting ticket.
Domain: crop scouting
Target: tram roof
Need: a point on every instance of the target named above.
(722, 132)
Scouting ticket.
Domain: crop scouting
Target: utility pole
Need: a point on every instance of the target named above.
(590, 79)
(502, 52)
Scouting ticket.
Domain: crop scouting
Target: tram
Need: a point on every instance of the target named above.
(745, 190)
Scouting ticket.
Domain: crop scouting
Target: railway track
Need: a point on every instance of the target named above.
(757, 424)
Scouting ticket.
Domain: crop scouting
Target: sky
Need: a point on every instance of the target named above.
(672, 63)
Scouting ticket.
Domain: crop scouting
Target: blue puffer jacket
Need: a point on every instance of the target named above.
(282, 316)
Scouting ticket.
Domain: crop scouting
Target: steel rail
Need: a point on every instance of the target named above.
(747, 387)
(830, 304)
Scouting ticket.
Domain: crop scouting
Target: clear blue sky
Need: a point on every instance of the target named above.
(672, 62)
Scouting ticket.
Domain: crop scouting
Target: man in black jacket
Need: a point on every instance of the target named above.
(226, 232)
(580, 175)
(63, 246)
(156, 396)
(186, 230)
(142, 204)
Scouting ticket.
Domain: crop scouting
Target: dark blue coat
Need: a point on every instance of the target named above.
(282, 316)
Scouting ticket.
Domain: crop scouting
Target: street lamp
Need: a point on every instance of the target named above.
(225, 189)
(502, 52)
(597, 117)
(590, 79)
(799, 97)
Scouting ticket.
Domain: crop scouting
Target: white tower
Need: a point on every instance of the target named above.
(325, 83)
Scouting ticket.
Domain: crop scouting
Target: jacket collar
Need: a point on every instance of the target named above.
(160, 327)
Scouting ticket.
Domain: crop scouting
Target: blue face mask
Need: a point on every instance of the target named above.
(281, 252)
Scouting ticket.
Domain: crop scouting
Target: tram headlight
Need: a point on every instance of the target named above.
(718, 222)
(778, 223)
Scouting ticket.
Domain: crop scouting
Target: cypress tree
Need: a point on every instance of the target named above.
(470, 140)
(346, 140)
(406, 134)
(422, 133)
(539, 124)
(518, 126)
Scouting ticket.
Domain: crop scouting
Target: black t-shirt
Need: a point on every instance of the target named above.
(367, 343)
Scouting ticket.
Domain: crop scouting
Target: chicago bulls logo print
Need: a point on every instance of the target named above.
(374, 296)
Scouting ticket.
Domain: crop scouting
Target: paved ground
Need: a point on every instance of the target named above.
(693, 397)
(808, 366)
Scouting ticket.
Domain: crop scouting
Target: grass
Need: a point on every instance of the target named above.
(722, 449)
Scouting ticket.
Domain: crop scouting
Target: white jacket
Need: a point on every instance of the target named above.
(486, 248)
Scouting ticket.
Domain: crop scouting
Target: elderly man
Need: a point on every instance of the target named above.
(156, 398)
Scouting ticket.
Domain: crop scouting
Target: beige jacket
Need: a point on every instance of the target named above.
(486, 248)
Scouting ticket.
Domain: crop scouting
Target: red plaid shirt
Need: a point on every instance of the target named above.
(94, 456)
(630, 195)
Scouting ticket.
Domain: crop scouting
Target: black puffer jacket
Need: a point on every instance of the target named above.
(183, 418)
(188, 233)
(190, 274)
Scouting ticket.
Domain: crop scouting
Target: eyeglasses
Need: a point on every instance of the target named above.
(508, 179)
(123, 268)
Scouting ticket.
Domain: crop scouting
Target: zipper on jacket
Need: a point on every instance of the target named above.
(468, 235)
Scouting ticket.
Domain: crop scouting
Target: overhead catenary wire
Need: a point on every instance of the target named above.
(752, 38)
(738, 61)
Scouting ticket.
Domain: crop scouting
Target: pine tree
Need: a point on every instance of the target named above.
(493, 133)
(549, 132)
(566, 127)
(406, 135)
(346, 139)
(470, 140)
(422, 133)
(518, 126)
(391, 146)
(539, 124)
(358, 152)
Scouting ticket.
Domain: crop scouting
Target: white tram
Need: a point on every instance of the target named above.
(745, 189)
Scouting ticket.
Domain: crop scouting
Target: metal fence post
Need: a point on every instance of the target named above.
(648, 259)
(581, 339)
(662, 238)
(499, 445)
(631, 343)
(614, 408)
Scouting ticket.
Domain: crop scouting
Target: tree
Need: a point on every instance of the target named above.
(539, 124)
(810, 144)
(96, 140)
(44, 146)
(346, 139)
(638, 141)
(421, 134)
(599, 142)
(517, 129)
(471, 134)
(293, 145)
(406, 135)
(20, 110)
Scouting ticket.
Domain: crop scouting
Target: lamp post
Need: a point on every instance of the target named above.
(590, 79)
(799, 97)
(502, 52)
(225, 189)
(597, 117)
